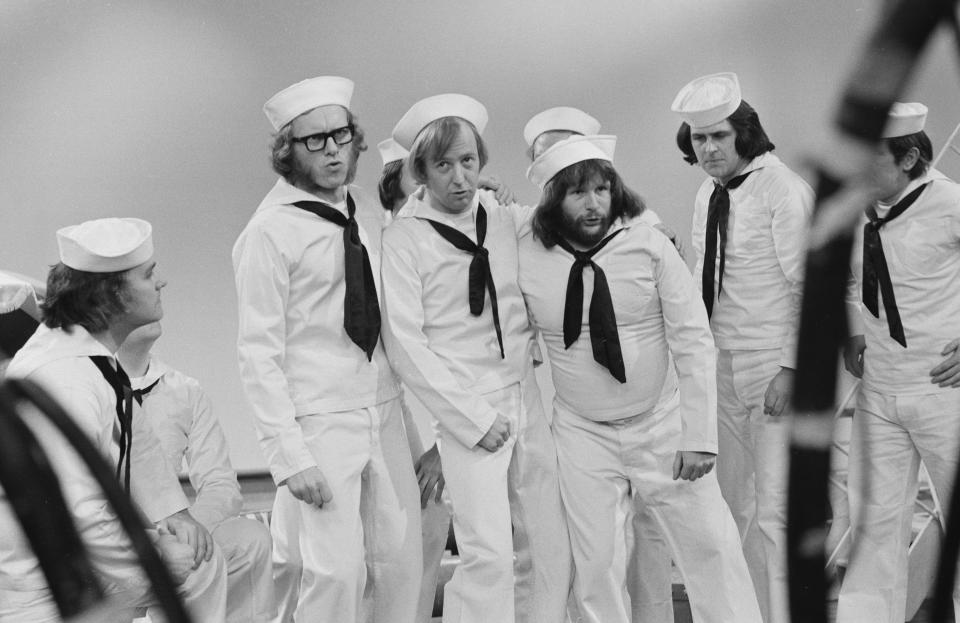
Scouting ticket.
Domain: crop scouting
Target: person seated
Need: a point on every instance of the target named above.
(180, 414)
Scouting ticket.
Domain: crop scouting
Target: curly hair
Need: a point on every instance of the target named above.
(548, 218)
(751, 140)
(91, 300)
(389, 186)
(281, 152)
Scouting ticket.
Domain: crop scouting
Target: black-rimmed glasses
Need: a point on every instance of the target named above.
(318, 141)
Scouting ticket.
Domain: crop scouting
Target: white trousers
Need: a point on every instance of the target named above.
(204, 592)
(891, 435)
(245, 544)
(601, 464)
(649, 577)
(752, 471)
(374, 514)
(489, 491)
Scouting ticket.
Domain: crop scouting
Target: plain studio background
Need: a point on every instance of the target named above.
(153, 110)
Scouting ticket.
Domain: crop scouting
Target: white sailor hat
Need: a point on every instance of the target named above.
(306, 95)
(390, 151)
(904, 119)
(106, 245)
(570, 151)
(708, 99)
(559, 118)
(436, 107)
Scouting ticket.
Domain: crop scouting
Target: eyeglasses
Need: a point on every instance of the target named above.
(318, 141)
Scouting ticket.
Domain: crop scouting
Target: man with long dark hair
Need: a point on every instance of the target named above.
(633, 365)
(749, 227)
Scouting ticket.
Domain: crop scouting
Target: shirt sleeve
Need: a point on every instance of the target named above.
(208, 465)
(465, 414)
(154, 485)
(691, 345)
(262, 279)
(649, 217)
(790, 216)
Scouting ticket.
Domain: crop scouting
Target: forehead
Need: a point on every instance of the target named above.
(461, 142)
(320, 119)
(716, 128)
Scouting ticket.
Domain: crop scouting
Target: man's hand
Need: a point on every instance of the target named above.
(853, 355)
(672, 235)
(310, 487)
(189, 531)
(947, 373)
(430, 476)
(500, 190)
(690, 464)
(777, 398)
(177, 556)
(497, 435)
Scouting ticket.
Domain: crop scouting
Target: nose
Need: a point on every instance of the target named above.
(710, 145)
(330, 147)
(458, 174)
(593, 201)
(161, 284)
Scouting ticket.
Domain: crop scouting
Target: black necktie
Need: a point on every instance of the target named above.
(120, 383)
(361, 311)
(139, 394)
(875, 270)
(480, 278)
(604, 338)
(718, 214)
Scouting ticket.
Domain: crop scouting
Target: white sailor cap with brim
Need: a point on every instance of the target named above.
(391, 152)
(560, 118)
(436, 107)
(708, 99)
(106, 245)
(306, 95)
(570, 151)
(905, 118)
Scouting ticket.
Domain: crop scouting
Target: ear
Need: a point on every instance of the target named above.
(909, 159)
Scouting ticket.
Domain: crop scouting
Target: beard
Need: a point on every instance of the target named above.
(573, 230)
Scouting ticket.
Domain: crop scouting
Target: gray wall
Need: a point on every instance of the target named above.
(152, 109)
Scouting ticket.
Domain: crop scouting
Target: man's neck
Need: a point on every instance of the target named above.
(744, 163)
(334, 196)
(135, 361)
(111, 338)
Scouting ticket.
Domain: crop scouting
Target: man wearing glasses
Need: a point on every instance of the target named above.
(325, 399)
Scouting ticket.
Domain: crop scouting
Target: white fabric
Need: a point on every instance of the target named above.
(182, 417)
(707, 100)
(374, 514)
(922, 249)
(451, 361)
(759, 306)
(436, 107)
(891, 435)
(390, 151)
(752, 470)
(600, 462)
(446, 356)
(569, 151)
(904, 119)
(17, 291)
(515, 486)
(434, 522)
(649, 567)
(661, 323)
(559, 118)
(106, 245)
(306, 95)
(295, 357)
(58, 362)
